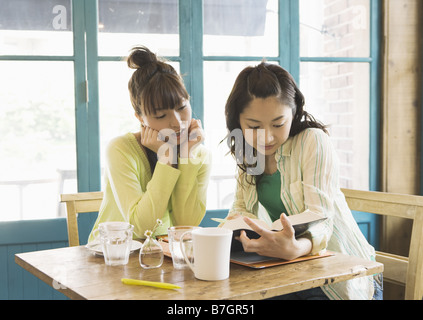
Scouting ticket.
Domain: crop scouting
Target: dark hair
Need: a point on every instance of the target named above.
(154, 86)
(263, 81)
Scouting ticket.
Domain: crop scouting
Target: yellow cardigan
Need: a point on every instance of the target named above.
(133, 194)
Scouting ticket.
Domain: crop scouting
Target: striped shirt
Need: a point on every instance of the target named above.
(309, 168)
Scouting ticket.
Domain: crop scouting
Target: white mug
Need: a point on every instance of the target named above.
(212, 250)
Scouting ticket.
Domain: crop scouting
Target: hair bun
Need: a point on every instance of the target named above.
(141, 57)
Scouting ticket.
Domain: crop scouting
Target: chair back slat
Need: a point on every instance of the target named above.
(397, 269)
(76, 203)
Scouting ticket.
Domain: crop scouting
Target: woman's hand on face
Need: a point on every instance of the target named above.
(195, 137)
(195, 134)
(155, 141)
(150, 139)
(281, 244)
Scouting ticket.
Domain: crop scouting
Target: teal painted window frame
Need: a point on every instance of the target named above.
(85, 61)
(191, 58)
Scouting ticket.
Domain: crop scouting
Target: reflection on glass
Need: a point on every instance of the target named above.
(41, 27)
(240, 27)
(335, 28)
(37, 148)
(125, 24)
(338, 95)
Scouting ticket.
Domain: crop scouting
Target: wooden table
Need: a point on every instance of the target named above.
(79, 274)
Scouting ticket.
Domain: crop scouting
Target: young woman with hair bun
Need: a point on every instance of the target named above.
(161, 171)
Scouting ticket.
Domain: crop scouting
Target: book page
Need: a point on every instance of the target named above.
(239, 224)
(304, 217)
(296, 219)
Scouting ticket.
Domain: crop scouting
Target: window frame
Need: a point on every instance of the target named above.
(191, 59)
(374, 61)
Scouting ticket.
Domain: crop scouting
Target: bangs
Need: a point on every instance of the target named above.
(163, 92)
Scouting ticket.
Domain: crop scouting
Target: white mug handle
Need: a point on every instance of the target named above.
(181, 245)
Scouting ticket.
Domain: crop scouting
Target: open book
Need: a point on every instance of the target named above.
(301, 222)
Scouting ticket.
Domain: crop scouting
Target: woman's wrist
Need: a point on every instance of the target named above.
(301, 247)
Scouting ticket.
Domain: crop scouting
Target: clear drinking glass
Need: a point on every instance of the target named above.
(116, 241)
(174, 234)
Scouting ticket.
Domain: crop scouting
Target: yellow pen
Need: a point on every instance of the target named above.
(161, 285)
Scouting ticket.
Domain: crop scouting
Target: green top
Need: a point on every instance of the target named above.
(269, 194)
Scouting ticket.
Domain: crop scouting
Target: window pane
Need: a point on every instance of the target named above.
(334, 28)
(116, 112)
(338, 95)
(37, 149)
(222, 184)
(42, 27)
(124, 24)
(240, 27)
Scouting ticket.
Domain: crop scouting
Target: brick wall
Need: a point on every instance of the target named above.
(344, 85)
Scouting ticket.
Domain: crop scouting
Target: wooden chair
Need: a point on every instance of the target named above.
(79, 203)
(398, 269)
